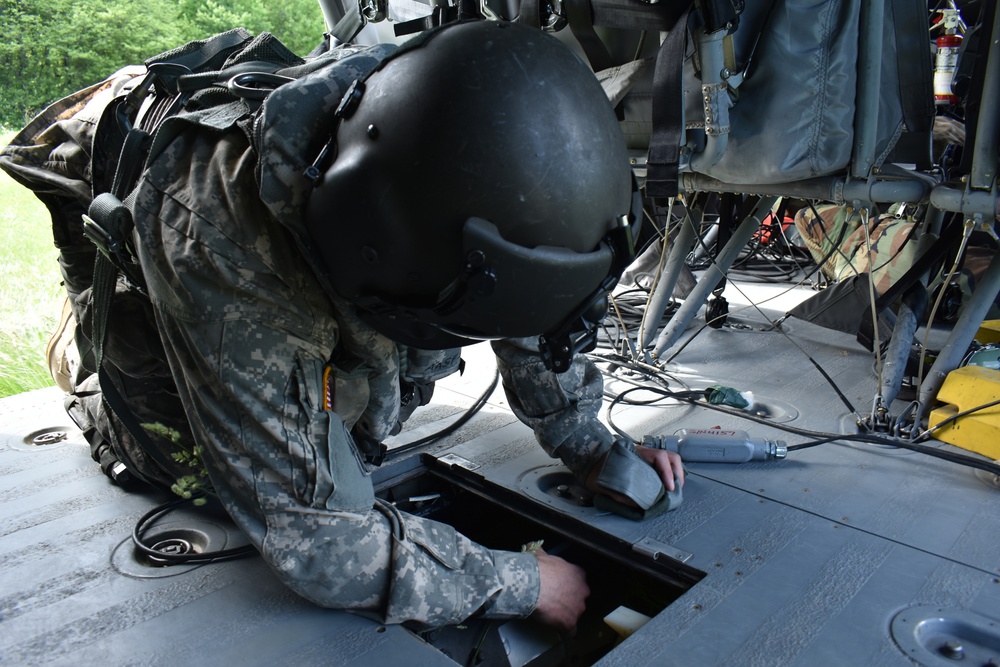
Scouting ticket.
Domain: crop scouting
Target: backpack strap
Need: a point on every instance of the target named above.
(580, 15)
(132, 121)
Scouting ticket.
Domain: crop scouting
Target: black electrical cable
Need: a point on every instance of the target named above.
(704, 326)
(820, 437)
(145, 523)
(620, 361)
(822, 372)
(944, 422)
(469, 414)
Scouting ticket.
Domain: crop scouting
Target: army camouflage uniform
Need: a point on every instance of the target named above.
(248, 326)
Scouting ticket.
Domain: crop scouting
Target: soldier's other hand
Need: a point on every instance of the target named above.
(563, 593)
(667, 464)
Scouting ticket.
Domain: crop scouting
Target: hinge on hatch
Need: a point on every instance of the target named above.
(456, 461)
(653, 549)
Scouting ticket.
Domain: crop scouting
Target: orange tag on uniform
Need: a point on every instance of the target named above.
(328, 385)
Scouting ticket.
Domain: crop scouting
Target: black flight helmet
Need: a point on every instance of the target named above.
(480, 189)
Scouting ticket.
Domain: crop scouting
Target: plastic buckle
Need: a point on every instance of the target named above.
(100, 237)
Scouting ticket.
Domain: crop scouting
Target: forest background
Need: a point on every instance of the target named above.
(49, 49)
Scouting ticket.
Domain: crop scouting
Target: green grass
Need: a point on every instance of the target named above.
(30, 292)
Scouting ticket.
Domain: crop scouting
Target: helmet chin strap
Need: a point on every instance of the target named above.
(578, 333)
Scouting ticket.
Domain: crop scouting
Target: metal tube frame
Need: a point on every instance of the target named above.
(666, 280)
(724, 260)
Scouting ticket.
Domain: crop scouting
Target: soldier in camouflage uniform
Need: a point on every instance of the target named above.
(281, 381)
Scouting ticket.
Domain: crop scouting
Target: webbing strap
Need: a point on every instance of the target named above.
(530, 13)
(102, 299)
(114, 400)
(637, 15)
(438, 17)
(581, 23)
(183, 61)
(102, 295)
(913, 63)
(349, 25)
(130, 161)
(668, 113)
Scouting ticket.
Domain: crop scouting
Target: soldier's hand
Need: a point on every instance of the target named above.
(667, 464)
(563, 593)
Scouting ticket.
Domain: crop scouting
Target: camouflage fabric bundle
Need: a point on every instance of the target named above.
(838, 243)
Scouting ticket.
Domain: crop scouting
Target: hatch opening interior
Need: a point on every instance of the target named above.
(615, 579)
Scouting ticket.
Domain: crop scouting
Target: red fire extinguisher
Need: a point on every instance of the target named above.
(946, 58)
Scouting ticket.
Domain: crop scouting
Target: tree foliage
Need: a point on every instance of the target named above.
(51, 48)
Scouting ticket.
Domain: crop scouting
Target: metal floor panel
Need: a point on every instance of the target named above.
(814, 560)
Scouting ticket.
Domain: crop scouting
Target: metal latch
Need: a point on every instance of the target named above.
(653, 549)
(456, 461)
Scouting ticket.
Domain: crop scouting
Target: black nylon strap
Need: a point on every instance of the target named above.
(131, 161)
(581, 24)
(440, 16)
(668, 113)
(349, 25)
(913, 62)
(102, 299)
(530, 13)
(196, 56)
(114, 401)
(102, 294)
(638, 15)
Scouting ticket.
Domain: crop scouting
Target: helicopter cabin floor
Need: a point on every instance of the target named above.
(840, 554)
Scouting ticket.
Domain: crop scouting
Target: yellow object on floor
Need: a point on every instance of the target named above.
(989, 332)
(966, 388)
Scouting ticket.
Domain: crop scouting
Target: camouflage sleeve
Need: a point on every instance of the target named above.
(247, 331)
(561, 408)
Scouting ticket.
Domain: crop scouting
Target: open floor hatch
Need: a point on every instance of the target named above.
(618, 575)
